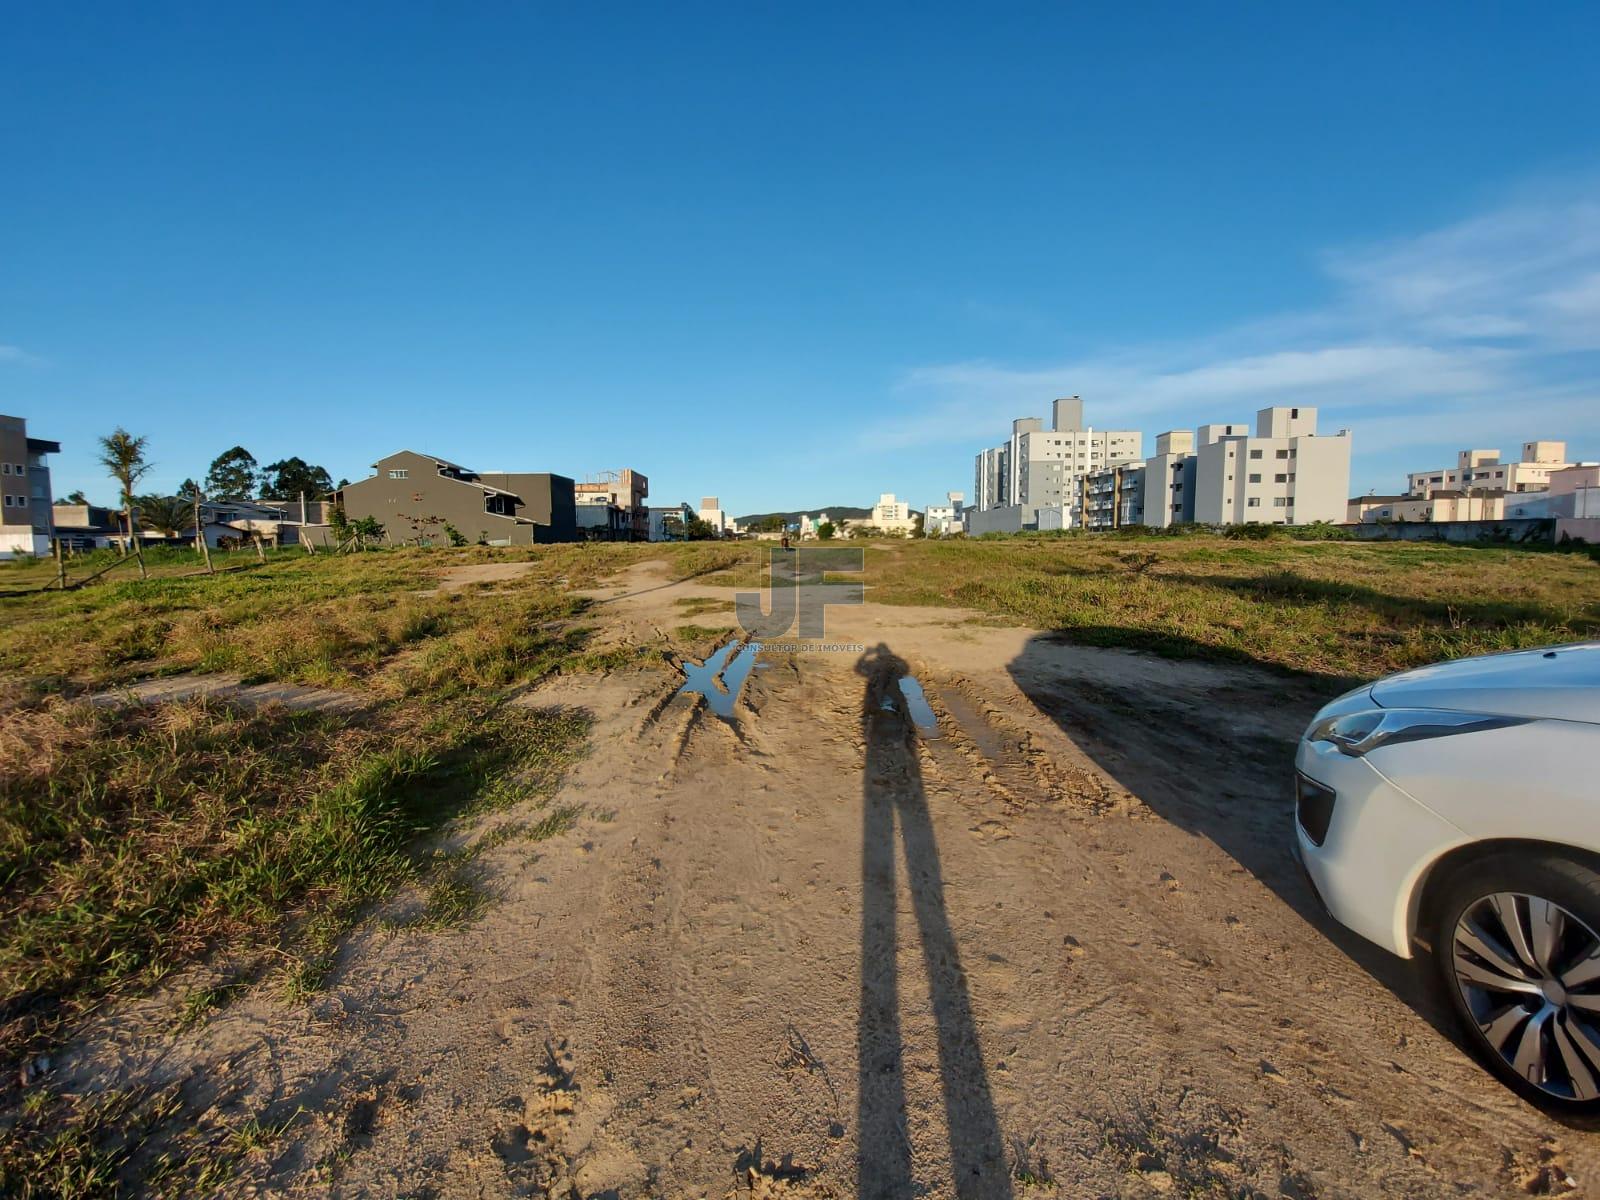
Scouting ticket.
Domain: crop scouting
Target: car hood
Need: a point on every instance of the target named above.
(1556, 682)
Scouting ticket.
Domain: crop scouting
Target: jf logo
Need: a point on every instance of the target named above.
(799, 591)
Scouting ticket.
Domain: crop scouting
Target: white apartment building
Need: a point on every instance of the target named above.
(941, 519)
(711, 513)
(1483, 468)
(1284, 475)
(1039, 468)
(1169, 479)
(893, 516)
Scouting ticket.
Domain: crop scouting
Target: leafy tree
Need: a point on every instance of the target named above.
(457, 538)
(189, 490)
(122, 455)
(169, 515)
(696, 530)
(826, 530)
(287, 478)
(917, 525)
(366, 529)
(773, 524)
(232, 475)
(73, 498)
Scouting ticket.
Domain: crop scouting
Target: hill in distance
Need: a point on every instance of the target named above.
(833, 510)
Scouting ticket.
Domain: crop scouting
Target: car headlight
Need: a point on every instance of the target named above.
(1359, 733)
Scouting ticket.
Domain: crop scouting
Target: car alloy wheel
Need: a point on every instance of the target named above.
(1529, 974)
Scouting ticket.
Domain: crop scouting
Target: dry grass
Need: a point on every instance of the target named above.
(1341, 610)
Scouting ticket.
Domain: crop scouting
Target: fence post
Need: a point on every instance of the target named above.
(200, 537)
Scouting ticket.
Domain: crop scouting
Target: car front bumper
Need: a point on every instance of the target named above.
(1378, 845)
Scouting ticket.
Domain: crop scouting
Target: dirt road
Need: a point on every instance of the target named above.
(1056, 947)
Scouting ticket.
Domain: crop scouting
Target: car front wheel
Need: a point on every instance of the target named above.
(1516, 944)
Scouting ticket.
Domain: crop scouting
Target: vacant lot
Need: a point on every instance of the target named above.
(1336, 609)
(249, 935)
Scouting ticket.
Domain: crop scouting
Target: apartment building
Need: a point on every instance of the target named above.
(711, 513)
(1039, 468)
(1286, 474)
(1169, 479)
(938, 520)
(25, 499)
(415, 495)
(892, 515)
(1483, 468)
(1112, 498)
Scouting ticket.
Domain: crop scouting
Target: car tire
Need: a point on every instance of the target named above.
(1516, 946)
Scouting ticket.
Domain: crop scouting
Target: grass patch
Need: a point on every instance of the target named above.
(1339, 610)
(697, 606)
(131, 840)
(701, 633)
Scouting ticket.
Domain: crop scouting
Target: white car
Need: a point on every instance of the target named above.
(1455, 810)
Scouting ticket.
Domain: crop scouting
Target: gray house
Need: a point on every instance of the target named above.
(414, 496)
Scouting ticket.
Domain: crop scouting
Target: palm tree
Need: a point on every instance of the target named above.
(122, 455)
(168, 515)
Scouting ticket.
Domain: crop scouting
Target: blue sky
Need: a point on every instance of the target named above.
(792, 255)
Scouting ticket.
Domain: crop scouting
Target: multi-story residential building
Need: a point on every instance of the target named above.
(25, 500)
(1483, 468)
(892, 515)
(415, 495)
(711, 513)
(1112, 498)
(625, 490)
(941, 519)
(1286, 474)
(1039, 468)
(1169, 479)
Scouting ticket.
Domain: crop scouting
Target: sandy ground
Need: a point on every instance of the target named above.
(1058, 948)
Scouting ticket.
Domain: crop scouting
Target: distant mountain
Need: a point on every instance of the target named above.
(833, 510)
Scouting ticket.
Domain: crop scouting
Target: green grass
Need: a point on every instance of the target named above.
(139, 842)
(1338, 610)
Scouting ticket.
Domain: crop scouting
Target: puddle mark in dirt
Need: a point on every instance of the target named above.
(718, 679)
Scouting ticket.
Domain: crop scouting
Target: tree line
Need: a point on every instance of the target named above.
(234, 475)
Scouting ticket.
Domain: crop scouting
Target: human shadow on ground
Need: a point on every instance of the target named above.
(892, 793)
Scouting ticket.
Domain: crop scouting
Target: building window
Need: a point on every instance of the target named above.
(1253, 502)
(399, 473)
(1283, 454)
(1280, 479)
(5, 468)
(1280, 502)
(1255, 454)
(1255, 478)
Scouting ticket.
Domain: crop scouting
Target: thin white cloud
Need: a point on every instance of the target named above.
(17, 356)
(1487, 331)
